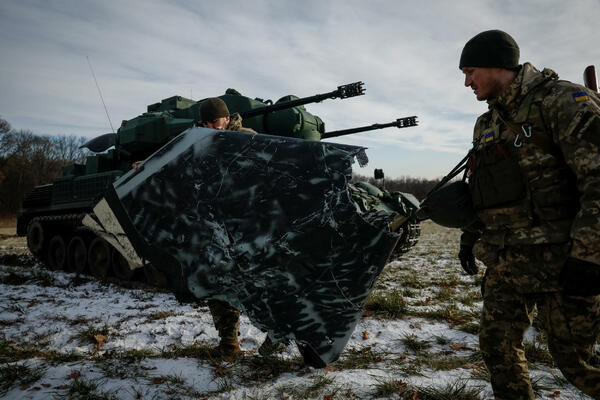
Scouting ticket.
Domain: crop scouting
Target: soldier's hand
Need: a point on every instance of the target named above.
(467, 259)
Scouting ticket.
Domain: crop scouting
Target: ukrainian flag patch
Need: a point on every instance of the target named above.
(489, 136)
(580, 96)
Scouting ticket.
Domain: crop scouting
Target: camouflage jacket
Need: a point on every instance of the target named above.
(235, 124)
(543, 135)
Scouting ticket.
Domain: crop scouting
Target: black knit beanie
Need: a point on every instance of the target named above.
(490, 49)
(213, 108)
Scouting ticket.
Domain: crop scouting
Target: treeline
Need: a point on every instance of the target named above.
(28, 160)
(419, 187)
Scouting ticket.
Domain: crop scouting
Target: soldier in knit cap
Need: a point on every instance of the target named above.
(534, 179)
(215, 115)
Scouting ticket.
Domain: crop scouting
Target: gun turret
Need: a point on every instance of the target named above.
(139, 137)
(405, 122)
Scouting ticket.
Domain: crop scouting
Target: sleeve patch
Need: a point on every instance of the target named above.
(580, 96)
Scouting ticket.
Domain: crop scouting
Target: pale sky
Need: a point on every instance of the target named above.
(406, 52)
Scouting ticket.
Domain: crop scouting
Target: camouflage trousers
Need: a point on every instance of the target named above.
(226, 320)
(571, 324)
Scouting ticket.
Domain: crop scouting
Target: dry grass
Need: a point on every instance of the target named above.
(10, 243)
(8, 222)
(425, 287)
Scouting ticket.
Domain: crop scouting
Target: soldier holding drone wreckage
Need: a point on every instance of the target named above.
(300, 265)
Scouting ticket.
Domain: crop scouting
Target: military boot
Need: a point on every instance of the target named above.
(227, 321)
(229, 349)
(268, 348)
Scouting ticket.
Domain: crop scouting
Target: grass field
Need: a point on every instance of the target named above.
(8, 226)
(71, 337)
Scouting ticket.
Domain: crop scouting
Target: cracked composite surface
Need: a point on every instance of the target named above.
(263, 222)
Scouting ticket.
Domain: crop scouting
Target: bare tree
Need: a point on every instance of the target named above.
(68, 148)
(4, 126)
(419, 187)
(28, 160)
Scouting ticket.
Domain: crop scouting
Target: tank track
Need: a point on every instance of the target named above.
(62, 242)
(71, 219)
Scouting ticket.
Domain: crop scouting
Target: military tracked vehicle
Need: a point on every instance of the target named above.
(52, 214)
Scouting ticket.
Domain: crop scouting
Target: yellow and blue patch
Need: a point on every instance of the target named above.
(489, 136)
(580, 96)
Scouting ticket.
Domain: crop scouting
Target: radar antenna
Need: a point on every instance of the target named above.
(100, 93)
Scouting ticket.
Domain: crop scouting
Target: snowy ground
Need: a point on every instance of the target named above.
(64, 336)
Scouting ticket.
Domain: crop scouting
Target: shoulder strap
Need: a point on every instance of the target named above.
(522, 129)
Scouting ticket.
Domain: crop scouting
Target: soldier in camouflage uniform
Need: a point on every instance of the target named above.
(215, 115)
(534, 178)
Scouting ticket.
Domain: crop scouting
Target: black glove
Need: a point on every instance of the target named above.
(467, 259)
(580, 278)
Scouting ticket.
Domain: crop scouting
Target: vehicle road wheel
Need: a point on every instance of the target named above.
(99, 258)
(121, 266)
(35, 237)
(57, 253)
(76, 255)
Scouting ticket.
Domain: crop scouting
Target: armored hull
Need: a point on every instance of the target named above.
(52, 214)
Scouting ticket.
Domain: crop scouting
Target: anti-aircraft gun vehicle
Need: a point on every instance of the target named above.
(52, 214)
